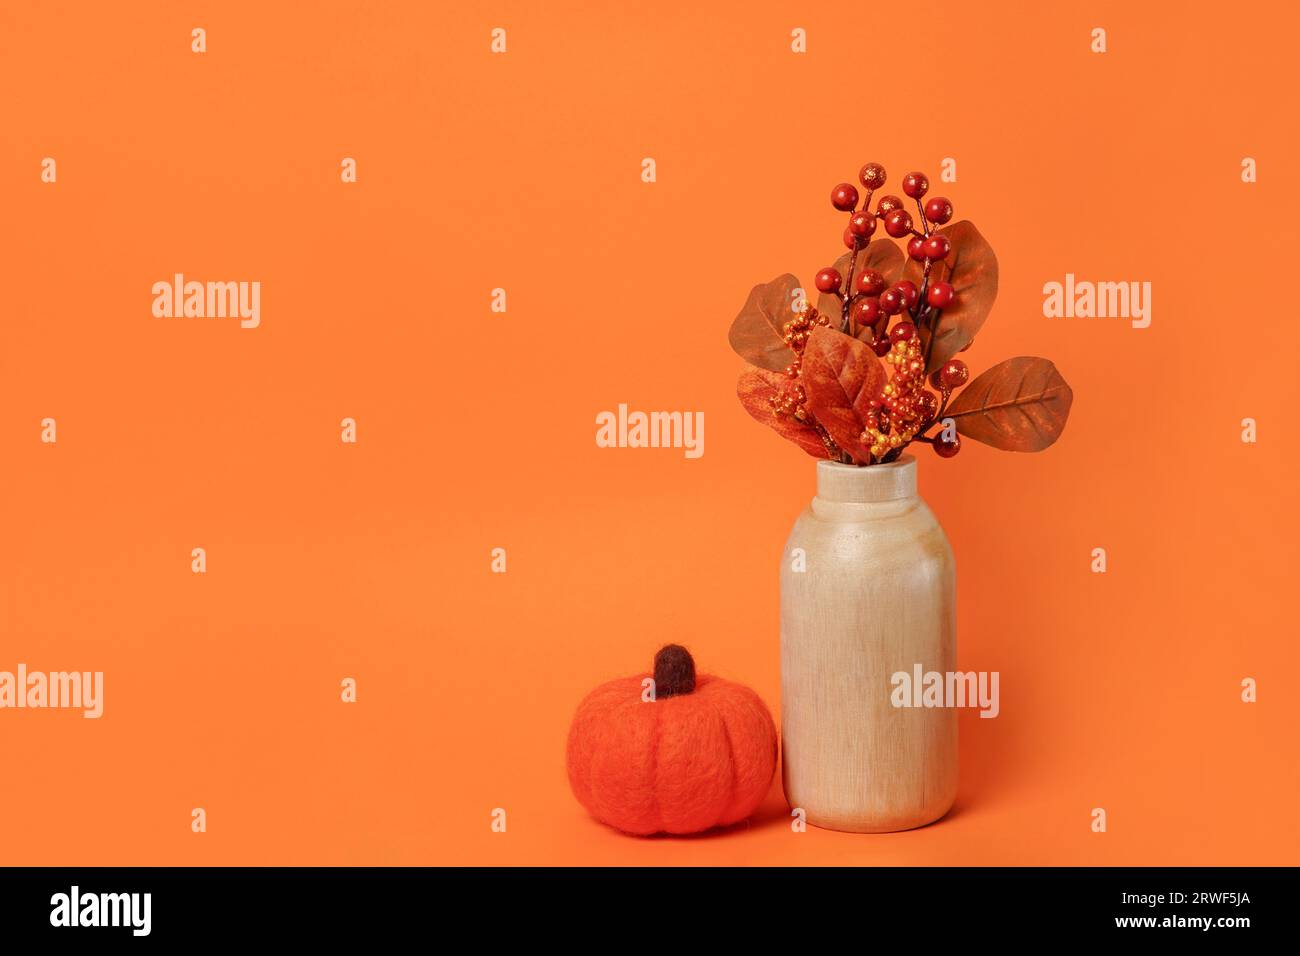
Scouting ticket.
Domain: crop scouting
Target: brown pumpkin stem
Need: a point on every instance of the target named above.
(674, 671)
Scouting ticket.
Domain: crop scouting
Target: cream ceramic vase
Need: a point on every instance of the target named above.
(867, 591)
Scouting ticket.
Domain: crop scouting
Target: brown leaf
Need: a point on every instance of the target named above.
(883, 255)
(971, 269)
(756, 388)
(1017, 405)
(756, 334)
(841, 376)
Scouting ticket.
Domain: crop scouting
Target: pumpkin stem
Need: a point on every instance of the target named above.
(674, 671)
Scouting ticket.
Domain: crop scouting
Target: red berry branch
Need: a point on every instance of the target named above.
(905, 409)
(818, 377)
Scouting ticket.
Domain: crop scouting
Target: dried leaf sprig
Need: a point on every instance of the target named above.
(817, 377)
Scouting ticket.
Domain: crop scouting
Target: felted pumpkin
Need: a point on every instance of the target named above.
(699, 753)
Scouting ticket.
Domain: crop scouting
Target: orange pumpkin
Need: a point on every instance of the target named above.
(697, 753)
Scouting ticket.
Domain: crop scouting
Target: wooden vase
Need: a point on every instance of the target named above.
(867, 591)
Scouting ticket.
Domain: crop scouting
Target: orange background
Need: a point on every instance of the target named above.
(476, 430)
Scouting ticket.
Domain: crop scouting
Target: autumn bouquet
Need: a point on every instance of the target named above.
(872, 366)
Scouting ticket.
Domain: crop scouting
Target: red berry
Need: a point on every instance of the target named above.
(844, 197)
(926, 404)
(828, 280)
(916, 184)
(866, 311)
(862, 224)
(850, 240)
(898, 223)
(954, 374)
(887, 205)
(870, 282)
(915, 248)
(903, 332)
(938, 210)
(940, 295)
(881, 345)
(872, 175)
(935, 381)
(937, 247)
(909, 292)
(946, 448)
(891, 302)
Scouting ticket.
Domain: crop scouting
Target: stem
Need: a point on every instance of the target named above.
(674, 671)
(847, 295)
(929, 344)
(847, 298)
(925, 274)
(832, 449)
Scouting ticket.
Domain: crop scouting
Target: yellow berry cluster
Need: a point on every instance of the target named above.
(795, 333)
(904, 405)
(790, 402)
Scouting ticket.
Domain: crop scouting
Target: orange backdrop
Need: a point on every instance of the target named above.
(476, 430)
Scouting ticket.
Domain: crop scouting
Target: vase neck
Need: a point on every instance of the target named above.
(870, 483)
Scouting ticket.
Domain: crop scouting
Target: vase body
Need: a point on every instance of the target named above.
(870, 594)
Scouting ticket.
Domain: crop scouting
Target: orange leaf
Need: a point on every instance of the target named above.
(971, 269)
(756, 388)
(841, 376)
(757, 333)
(1017, 405)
